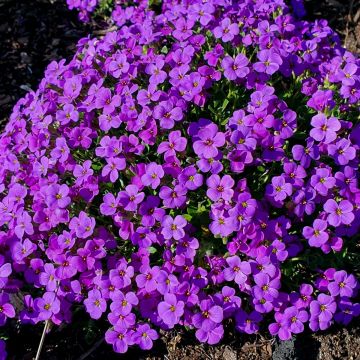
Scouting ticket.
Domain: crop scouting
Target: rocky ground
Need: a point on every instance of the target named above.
(34, 32)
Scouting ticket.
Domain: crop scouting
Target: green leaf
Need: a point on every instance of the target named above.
(225, 104)
(152, 250)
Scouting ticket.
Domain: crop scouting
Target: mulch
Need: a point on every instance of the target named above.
(35, 32)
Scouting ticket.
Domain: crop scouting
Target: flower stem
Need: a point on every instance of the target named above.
(42, 340)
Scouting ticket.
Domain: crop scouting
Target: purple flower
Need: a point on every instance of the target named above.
(107, 102)
(147, 278)
(47, 306)
(296, 319)
(57, 196)
(173, 198)
(23, 250)
(265, 287)
(324, 129)
(95, 304)
(321, 100)
(167, 113)
(150, 211)
(323, 308)
(212, 336)
(317, 235)
(48, 277)
(83, 172)
(235, 68)
(158, 76)
(123, 303)
(173, 228)
(220, 188)
(119, 65)
(348, 74)
(170, 310)
(306, 154)
(347, 310)
(120, 338)
(167, 283)
(67, 114)
(221, 225)
(339, 213)
(190, 178)
(303, 299)
(248, 323)
(23, 225)
(153, 174)
(343, 284)
(279, 189)
(114, 165)
(176, 143)
(130, 198)
(237, 270)
(280, 327)
(209, 316)
(82, 225)
(144, 336)
(269, 62)
(109, 205)
(6, 309)
(322, 181)
(210, 141)
(3, 353)
(121, 276)
(226, 30)
(5, 271)
(342, 151)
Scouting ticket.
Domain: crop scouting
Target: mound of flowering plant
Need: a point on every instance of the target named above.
(196, 168)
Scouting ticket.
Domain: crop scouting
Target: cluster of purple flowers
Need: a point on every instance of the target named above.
(169, 173)
(119, 12)
(84, 7)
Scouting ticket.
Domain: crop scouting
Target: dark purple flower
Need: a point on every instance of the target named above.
(248, 323)
(343, 284)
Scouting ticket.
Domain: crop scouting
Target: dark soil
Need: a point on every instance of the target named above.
(343, 17)
(32, 34)
(35, 32)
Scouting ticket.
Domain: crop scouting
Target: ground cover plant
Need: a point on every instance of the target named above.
(196, 168)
